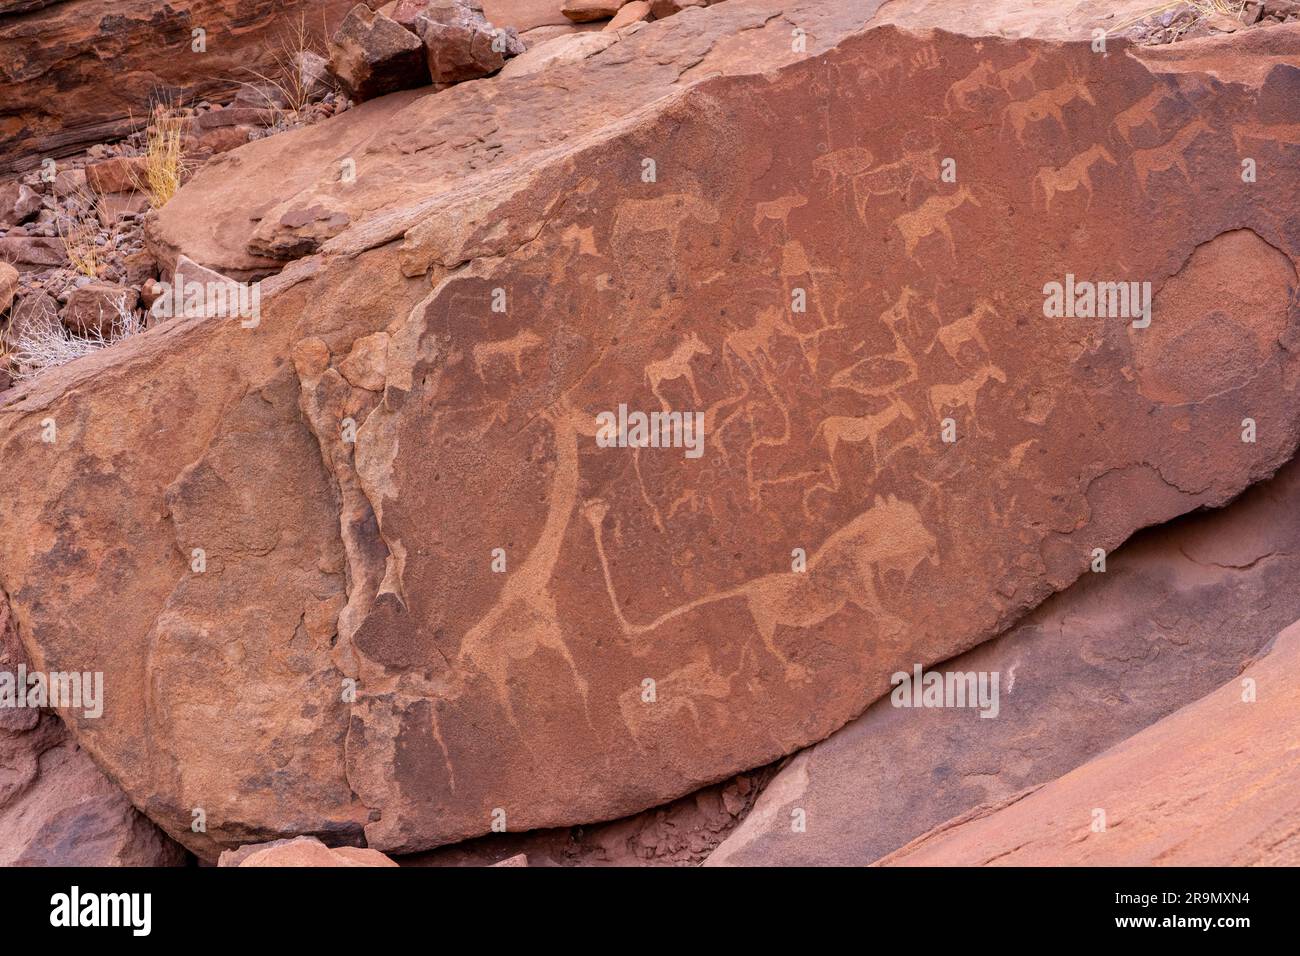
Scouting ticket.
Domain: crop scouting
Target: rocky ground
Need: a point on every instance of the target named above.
(469, 229)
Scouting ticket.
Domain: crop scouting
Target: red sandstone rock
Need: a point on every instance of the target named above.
(379, 675)
(96, 308)
(628, 14)
(121, 174)
(18, 203)
(525, 15)
(562, 50)
(1212, 785)
(302, 851)
(1178, 611)
(666, 8)
(29, 253)
(584, 11)
(56, 807)
(30, 311)
(372, 55)
(74, 73)
(460, 43)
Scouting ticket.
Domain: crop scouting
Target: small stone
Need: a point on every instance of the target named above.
(18, 203)
(96, 307)
(585, 11)
(8, 285)
(633, 12)
(122, 174)
(140, 267)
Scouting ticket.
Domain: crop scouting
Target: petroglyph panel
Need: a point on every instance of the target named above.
(828, 302)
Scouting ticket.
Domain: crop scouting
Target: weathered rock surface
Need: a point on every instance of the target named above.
(1214, 784)
(75, 72)
(558, 51)
(56, 807)
(1178, 612)
(373, 55)
(301, 851)
(460, 44)
(522, 692)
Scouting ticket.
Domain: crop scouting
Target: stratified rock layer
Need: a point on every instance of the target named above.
(75, 72)
(1213, 785)
(1178, 611)
(501, 588)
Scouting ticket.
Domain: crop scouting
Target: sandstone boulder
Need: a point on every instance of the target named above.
(524, 15)
(56, 807)
(447, 602)
(1177, 612)
(459, 41)
(121, 174)
(1211, 785)
(31, 311)
(299, 852)
(97, 307)
(30, 253)
(373, 55)
(666, 8)
(18, 203)
(628, 14)
(584, 11)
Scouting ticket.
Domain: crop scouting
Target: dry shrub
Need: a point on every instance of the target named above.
(78, 231)
(284, 75)
(44, 345)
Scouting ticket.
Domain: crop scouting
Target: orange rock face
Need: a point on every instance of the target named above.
(1212, 785)
(468, 598)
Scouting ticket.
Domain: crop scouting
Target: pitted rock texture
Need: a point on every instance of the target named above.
(1178, 611)
(75, 72)
(1212, 785)
(480, 692)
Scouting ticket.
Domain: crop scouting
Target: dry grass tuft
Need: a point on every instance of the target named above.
(285, 77)
(164, 154)
(78, 232)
